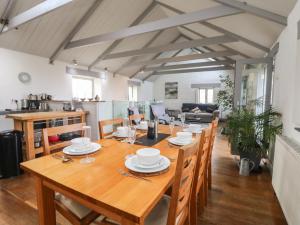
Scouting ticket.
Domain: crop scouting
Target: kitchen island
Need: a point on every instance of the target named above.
(27, 122)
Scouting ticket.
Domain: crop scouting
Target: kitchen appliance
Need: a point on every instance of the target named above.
(44, 106)
(68, 106)
(44, 96)
(24, 104)
(32, 97)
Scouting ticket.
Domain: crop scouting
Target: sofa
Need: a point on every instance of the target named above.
(200, 113)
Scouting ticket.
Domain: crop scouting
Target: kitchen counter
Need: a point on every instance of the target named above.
(25, 122)
(6, 112)
(35, 116)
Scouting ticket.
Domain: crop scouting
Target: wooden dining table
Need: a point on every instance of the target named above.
(99, 185)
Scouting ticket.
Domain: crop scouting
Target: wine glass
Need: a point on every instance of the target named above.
(131, 138)
(87, 134)
(172, 125)
(182, 118)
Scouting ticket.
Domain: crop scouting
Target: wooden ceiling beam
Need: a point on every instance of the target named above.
(37, 11)
(174, 21)
(173, 47)
(183, 58)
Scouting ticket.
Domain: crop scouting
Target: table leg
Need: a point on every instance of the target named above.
(29, 139)
(45, 203)
(18, 125)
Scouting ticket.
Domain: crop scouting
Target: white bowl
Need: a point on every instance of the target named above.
(148, 156)
(81, 143)
(122, 131)
(184, 135)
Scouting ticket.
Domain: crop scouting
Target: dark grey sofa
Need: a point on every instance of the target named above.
(207, 114)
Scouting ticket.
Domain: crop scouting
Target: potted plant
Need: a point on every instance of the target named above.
(251, 134)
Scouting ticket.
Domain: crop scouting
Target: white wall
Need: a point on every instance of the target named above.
(52, 79)
(45, 77)
(185, 93)
(287, 76)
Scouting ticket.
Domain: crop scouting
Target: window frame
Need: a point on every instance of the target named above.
(132, 88)
(206, 95)
(84, 78)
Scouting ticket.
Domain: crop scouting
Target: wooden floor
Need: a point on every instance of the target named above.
(233, 200)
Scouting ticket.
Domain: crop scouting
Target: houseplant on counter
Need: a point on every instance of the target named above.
(251, 134)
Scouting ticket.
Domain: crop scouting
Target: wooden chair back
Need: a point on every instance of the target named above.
(56, 131)
(104, 123)
(214, 130)
(182, 187)
(198, 190)
(136, 117)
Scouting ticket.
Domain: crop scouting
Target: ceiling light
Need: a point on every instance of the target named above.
(103, 74)
(74, 62)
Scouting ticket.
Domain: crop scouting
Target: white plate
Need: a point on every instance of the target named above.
(193, 130)
(115, 134)
(176, 141)
(158, 164)
(131, 164)
(70, 151)
(141, 128)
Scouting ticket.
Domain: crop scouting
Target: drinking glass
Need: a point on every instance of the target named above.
(131, 134)
(131, 138)
(182, 118)
(87, 133)
(172, 125)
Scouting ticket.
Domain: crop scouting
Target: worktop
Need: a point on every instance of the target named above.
(44, 115)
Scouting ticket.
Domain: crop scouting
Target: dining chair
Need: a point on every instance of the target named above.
(52, 131)
(135, 117)
(214, 127)
(111, 122)
(174, 209)
(200, 179)
(74, 212)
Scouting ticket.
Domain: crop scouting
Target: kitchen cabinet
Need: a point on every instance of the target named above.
(26, 122)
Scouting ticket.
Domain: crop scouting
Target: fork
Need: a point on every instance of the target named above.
(122, 172)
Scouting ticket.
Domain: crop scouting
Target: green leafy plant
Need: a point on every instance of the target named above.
(253, 133)
(225, 95)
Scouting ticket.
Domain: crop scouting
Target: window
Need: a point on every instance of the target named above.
(132, 93)
(205, 95)
(82, 87)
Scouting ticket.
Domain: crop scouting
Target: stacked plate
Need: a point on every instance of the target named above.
(81, 146)
(182, 138)
(195, 128)
(122, 132)
(147, 160)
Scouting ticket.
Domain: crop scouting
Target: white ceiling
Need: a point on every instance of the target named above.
(44, 34)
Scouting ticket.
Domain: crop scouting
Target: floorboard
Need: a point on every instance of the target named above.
(233, 200)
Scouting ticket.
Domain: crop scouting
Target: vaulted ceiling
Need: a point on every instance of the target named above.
(44, 35)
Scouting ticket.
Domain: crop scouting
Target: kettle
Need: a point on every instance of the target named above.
(246, 166)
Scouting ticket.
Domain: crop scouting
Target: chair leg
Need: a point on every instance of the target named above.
(205, 190)
(209, 175)
(193, 211)
(201, 200)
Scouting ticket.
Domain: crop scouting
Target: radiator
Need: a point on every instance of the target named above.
(286, 178)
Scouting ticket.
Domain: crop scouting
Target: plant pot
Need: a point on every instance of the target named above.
(253, 156)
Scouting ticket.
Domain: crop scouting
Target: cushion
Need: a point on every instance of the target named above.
(76, 208)
(210, 109)
(159, 214)
(158, 110)
(195, 110)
